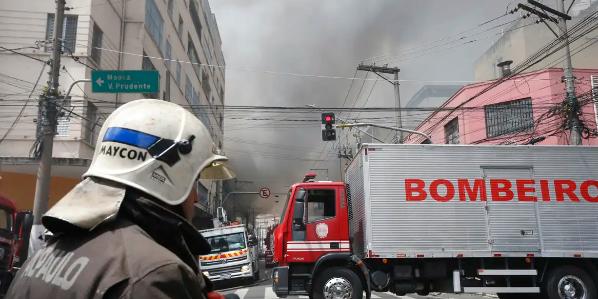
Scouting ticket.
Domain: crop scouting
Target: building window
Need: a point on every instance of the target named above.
(192, 52)
(451, 132)
(168, 54)
(96, 44)
(594, 82)
(180, 28)
(146, 64)
(178, 72)
(195, 18)
(205, 84)
(170, 9)
(154, 22)
(91, 115)
(69, 32)
(320, 205)
(509, 117)
(188, 90)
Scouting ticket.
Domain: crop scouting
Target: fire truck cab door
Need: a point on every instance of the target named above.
(322, 230)
(512, 225)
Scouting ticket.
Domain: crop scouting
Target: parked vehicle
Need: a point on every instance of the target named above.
(234, 254)
(14, 237)
(510, 220)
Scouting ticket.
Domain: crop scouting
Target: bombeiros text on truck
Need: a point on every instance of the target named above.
(512, 220)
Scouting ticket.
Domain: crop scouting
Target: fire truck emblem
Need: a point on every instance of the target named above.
(322, 230)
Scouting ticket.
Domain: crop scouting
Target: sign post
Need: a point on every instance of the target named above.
(129, 81)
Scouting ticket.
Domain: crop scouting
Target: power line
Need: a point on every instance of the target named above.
(23, 54)
(540, 55)
(20, 114)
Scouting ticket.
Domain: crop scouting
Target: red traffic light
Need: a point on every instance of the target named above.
(328, 118)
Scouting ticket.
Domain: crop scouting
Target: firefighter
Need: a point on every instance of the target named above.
(124, 231)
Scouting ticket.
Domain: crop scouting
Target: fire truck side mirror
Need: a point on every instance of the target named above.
(299, 210)
(298, 213)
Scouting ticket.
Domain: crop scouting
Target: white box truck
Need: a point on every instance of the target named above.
(520, 221)
(234, 254)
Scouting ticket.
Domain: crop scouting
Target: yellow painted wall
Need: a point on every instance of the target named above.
(21, 188)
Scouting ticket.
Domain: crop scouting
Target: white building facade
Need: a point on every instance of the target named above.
(178, 38)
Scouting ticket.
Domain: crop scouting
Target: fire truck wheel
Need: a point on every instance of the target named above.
(339, 283)
(569, 282)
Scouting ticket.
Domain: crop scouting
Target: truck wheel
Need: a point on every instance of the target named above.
(256, 276)
(569, 282)
(337, 283)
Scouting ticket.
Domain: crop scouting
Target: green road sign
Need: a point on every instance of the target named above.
(133, 81)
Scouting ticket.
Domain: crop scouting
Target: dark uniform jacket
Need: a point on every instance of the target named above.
(146, 251)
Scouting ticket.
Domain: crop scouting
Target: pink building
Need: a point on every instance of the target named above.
(525, 108)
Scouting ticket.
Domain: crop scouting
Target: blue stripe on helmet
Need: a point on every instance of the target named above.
(130, 137)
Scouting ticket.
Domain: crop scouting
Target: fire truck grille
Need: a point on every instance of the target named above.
(219, 262)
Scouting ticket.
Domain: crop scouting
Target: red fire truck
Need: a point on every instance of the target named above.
(14, 237)
(519, 221)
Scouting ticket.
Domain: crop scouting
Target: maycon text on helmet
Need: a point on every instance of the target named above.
(123, 152)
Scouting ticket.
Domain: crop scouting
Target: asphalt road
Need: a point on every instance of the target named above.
(263, 289)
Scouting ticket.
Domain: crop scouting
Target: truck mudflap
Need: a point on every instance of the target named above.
(280, 281)
(349, 258)
(366, 274)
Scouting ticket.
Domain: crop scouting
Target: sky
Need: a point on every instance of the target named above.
(283, 53)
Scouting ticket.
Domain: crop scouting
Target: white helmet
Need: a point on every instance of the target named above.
(153, 146)
(157, 147)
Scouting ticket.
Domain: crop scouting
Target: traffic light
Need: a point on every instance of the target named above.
(328, 131)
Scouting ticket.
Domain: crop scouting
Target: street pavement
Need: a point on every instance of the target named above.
(263, 289)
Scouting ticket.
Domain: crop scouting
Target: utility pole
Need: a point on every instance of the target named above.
(389, 70)
(560, 17)
(48, 111)
(574, 122)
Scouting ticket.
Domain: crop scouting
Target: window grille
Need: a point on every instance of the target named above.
(509, 117)
(96, 43)
(69, 33)
(594, 81)
(451, 132)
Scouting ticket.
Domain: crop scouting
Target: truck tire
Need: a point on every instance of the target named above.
(569, 282)
(256, 276)
(337, 282)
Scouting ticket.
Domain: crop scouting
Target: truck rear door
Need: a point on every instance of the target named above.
(513, 224)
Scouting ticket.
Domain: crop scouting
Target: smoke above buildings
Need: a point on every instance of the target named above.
(262, 39)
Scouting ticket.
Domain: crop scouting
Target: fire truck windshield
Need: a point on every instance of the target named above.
(286, 203)
(226, 243)
(5, 220)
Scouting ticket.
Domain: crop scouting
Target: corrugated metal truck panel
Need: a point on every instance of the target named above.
(356, 194)
(397, 227)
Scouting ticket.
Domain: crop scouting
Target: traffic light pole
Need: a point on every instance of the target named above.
(385, 127)
(389, 70)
